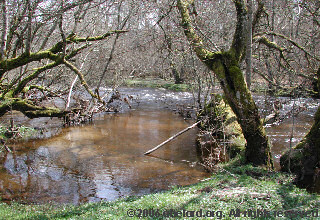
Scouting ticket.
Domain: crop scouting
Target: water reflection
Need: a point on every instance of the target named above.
(102, 161)
(281, 138)
(105, 161)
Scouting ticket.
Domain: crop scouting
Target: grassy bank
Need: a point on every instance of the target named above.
(226, 195)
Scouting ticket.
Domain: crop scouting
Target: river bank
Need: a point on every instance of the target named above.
(228, 194)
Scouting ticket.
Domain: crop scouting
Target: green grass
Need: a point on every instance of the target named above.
(234, 188)
(157, 83)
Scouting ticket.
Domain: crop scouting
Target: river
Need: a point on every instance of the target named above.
(104, 160)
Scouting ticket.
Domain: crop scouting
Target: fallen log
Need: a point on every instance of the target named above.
(171, 138)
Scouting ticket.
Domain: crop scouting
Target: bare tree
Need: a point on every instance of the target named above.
(226, 65)
(24, 60)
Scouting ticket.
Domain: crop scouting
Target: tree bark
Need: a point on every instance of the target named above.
(226, 65)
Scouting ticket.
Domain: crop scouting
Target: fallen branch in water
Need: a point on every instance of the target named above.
(171, 138)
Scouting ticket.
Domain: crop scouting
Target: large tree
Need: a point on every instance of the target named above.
(226, 66)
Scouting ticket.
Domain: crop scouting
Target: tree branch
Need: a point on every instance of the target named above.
(29, 109)
(9, 64)
(239, 37)
(258, 14)
(264, 40)
(292, 42)
(82, 80)
(44, 42)
(195, 41)
(57, 61)
(34, 75)
(16, 20)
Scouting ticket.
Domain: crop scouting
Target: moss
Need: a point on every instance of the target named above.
(258, 149)
(29, 109)
(296, 156)
(177, 87)
(13, 63)
(221, 123)
(8, 94)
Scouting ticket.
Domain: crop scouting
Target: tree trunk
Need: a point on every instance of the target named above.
(238, 96)
(4, 29)
(226, 65)
(304, 159)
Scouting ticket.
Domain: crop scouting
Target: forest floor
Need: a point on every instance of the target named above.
(234, 192)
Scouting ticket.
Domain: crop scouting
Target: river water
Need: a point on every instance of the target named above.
(105, 161)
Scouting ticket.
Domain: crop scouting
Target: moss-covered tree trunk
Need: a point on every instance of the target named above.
(226, 65)
(238, 96)
(304, 159)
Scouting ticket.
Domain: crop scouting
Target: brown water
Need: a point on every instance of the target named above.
(105, 161)
(291, 130)
(281, 138)
(102, 161)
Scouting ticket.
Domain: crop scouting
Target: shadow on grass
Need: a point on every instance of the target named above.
(292, 200)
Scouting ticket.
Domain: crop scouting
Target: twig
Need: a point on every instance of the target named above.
(3, 142)
(7, 148)
(171, 138)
